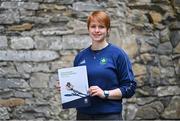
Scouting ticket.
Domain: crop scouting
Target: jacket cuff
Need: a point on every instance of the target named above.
(123, 91)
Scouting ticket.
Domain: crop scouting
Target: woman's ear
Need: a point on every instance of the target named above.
(109, 30)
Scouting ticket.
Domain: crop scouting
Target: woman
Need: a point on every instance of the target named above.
(109, 71)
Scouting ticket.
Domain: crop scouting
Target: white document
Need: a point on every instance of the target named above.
(74, 87)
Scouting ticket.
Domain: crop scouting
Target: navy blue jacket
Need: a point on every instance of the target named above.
(109, 68)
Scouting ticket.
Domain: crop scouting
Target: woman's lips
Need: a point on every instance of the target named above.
(96, 35)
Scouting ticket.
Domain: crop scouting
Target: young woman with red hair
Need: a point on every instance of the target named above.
(109, 71)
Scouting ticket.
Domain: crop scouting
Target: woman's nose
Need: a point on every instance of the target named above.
(97, 29)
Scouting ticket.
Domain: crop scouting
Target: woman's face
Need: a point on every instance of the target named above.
(97, 31)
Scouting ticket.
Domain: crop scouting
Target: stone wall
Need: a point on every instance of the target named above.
(39, 36)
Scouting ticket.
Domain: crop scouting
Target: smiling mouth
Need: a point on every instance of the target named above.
(96, 35)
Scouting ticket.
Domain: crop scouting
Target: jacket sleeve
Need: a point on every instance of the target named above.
(128, 89)
(125, 76)
(75, 62)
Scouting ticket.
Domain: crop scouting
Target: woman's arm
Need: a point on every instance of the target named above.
(114, 94)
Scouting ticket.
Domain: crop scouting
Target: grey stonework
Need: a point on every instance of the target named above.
(39, 36)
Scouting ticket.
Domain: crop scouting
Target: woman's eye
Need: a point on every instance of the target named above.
(93, 26)
(101, 26)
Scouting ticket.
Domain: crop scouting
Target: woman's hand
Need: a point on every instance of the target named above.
(96, 91)
(114, 94)
(57, 86)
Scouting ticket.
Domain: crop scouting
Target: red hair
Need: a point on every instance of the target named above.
(99, 16)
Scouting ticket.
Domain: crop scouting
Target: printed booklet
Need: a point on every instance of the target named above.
(74, 87)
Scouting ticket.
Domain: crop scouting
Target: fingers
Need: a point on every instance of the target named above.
(96, 91)
(57, 86)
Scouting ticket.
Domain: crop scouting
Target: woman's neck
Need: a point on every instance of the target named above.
(99, 45)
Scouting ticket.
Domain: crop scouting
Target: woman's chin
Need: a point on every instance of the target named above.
(98, 39)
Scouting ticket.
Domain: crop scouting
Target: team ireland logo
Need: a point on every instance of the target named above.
(103, 61)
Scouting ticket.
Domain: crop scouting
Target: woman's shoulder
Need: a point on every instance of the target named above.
(119, 53)
(83, 52)
(117, 50)
(80, 55)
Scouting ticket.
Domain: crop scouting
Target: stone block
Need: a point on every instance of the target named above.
(149, 58)
(150, 111)
(2, 29)
(13, 83)
(166, 61)
(177, 49)
(155, 17)
(51, 43)
(4, 115)
(147, 43)
(6, 93)
(9, 71)
(9, 17)
(164, 35)
(25, 5)
(12, 102)
(21, 94)
(32, 67)
(169, 73)
(56, 32)
(37, 56)
(176, 2)
(3, 42)
(161, 1)
(36, 20)
(22, 27)
(147, 113)
(165, 48)
(22, 43)
(168, 90)
(139, 69)
(75, 41)
(137, 17)
(173, 109)
(175, 38)
(39, 80)
(65, 2)
(130, 46)
(82, 6)
(175, 25)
